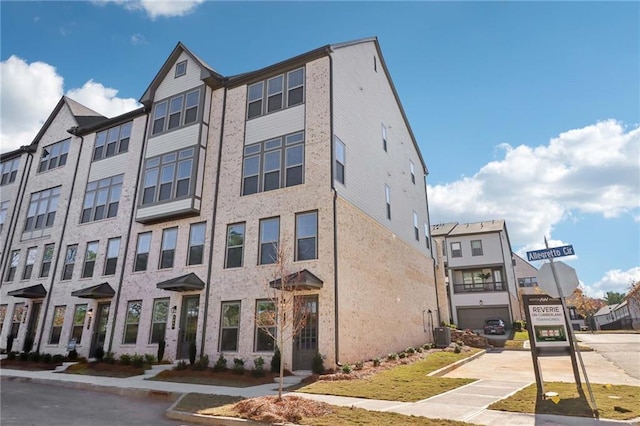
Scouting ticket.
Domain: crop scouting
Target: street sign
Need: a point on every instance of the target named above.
(567, 279)
(550, 253)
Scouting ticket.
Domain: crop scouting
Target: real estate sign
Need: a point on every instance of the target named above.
(547, 324)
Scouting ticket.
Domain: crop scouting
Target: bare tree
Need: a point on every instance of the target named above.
(284, 314)
(585, 305)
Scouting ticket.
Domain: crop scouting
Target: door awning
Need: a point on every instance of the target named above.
(100, 291)
(34, 292)
(301, 280)
(187, 282)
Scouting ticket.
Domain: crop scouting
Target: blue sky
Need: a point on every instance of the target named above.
(523, 111)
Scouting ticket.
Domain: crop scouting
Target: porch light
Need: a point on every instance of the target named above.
(174, 308)
(481, 302)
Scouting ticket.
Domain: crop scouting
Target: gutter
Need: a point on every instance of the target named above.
(433, 261)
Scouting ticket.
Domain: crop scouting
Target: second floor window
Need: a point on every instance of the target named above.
(168, 252)
(476, 248)
(9, 171)
(113, 249)
(4, 208)
(13, 266)
(69, 262)
(235, 245)
(54, 155)
(90, 259)
(269, 236)
(179, 111)
(42, 209)
(456, 249)
(142, 252)
(196, 244)
(102, 199)
(168, 176)
(306, 236)
(112, 141)
(47, 257)
(28, 266)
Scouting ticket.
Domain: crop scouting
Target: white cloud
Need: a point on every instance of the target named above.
(615, 280)
(592, 170)
(138, 39)
(29, 92)
(158, 8)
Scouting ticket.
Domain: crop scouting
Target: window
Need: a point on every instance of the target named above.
(4, 207)
(31, 260)
(168, 176)
(113, 249)
(132, 322)
(79, 315)
(142, 252)
(456, 250)
(90, 259)
(426, 234)
(340, 160)
(9, 171)
(112, 141)
(56, 326)
(159, 320)
(182, 110)
(181, 68)
(16, 319)
(42, 209)
(168, 251)
(46, 260)
(387, 197)
(412, 169)
(282, 91)
(235, 245)
(307, 236)
(229, 325)
(102, 199)
(384, 137)
(269, 236)
(196, 244)
(13, 266)
(528, 282)
(69, 262)
(54, 155)
(476, 248)
(269, 165)
(265, 326)
(416, 231)
(3, 315)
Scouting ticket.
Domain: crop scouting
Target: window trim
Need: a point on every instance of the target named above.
(387, 198)
(236, 327)
(138, 252)
(128, 323)
(110, 258)
(69, 264)
(48, 216)
(340, 160)
(298, 238)
(61, 149)
(416, 230)
(9, 171)
(458, 251)
(157, 165)
(59, 313)
(261, 243)
(120, 143)
(165, 106)
(77, 324)
(259, 329)
(191, 246)
(286, 93)
(156, 301)
(180, 71)
(385, 144)
(476, 251)
(237, 246)
(412, 169)
(87, 261)
(165, 234)
(12, 266)
(46, 261)
(29, 261)
(4, 210)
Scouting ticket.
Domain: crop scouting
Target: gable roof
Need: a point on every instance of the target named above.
(207, 74)
(605, 310)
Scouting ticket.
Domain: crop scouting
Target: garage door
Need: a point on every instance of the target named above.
(474, 318)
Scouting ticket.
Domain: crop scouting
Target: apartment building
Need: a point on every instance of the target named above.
(479, 272)
(163, 224)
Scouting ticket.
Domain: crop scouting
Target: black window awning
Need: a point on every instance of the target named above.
(33, 292)
(301, 280)
(100, 291)
(187, 282)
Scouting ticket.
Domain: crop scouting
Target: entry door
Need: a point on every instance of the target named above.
(99, 328)
(188, 325)
(305, 344)
(32, 327)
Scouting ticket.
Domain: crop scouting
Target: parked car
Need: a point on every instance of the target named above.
(494, 326)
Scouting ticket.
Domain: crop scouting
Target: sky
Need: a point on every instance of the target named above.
(523, 111)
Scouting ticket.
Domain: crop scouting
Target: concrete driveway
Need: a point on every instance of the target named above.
(623, 350)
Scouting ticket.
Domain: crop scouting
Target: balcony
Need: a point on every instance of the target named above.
(488, 286)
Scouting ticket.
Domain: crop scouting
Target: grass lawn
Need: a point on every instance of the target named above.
(521, 335)
(406, 383)
(617, 402)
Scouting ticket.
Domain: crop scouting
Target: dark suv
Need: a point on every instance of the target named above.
(494, 326)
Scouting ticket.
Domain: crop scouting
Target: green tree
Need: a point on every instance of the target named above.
(613, 298)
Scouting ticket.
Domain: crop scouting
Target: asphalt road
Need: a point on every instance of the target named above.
(48, 405)
(623, 350)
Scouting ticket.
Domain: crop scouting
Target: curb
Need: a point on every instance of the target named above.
(444, 370)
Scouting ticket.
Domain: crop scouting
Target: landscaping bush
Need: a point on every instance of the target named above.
(34, 356)
(410, 351)
(99, 353)
(73, 355)
(109, 358)
(46, 358)
(125, 359)
(318, 365)
(377, 362)
(238, 366)
(258, 367)
(346, 369)
(192, 352)
(149, 359)
(28, 344)
(57, 358)
(359, 365)
(519, 325)
(161, 346)
(402, 355)
(9, 343)
(428, 346)
(275, 360)
(392, 356)
(137, 361)
(202, 363)
(23, 356)
(11, 356)
(457, 349)
(419, 350)
(181, 365)
(221, 364)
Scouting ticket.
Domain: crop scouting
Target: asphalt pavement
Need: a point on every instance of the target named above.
(623, 350)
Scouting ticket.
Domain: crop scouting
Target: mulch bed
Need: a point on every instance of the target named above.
(215, 378)
(16, 364)
(270, 409)
(104, 369)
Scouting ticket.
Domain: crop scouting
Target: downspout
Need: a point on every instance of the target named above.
(213, 218)
(335, 215)
(54, 272)
(433, 261)
(128, 236)
(505, 275)
(17, 205)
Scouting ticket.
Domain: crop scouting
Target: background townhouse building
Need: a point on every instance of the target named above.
(312, 157)
(480, 274)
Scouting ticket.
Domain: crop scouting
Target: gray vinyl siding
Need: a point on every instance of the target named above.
(164, 209)
(108, 167)
(363, 101)
(172, 141)
(275, 124)
(171, 85)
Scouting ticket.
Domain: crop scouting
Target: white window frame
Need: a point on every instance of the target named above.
(111, 258)
(54, 156)
(43, 204)
(112, 141)
(141, 236)
(267, 243)
(456, 252)
(173, 170)
(476, 251)
(300, 236)
(340, 154)
(387, 197)
(9, 170)
(29, 262)
(385, 144)
(197, 237)
(416, 230)
(260, 92)
(236, 247)
(102, 199)
(412, 169)
(169, 244)
(90, 256)
(181, 69)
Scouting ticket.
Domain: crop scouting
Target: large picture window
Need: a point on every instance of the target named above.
(159, 319)
(307, 236)
(56, 325)
(142, 252)
(168, 176)
(112, 141)
(101, 199)
(42, 209)
(168, 251)
(54, 156)
(269, 236)
(134, 308)
(235, 245)
(265, 326)
(282, 91)
(273, 164)
(196, 244)
(179, 111)
(79, 315)
(229, 326)
(9, 170)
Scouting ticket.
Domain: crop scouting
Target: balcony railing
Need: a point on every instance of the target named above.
(480, 287)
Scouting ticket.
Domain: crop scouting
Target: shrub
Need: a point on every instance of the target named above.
(318, 365)
(202, 363)
(238, 366)
(181, 365)
(149, 359)
(419, 350)
(402, 355)
(28, 344)
(221, 364)
(359, 365)
(137, 361)
(23, 356)
(99, 353)
(377, 362)
(392, 356)
(192, 352)
(109, 358)
(346, 369)
(410, 351)
(161, 346)
(428, 346)
(46, 358)
(72, 355)
(125, 359)
(9, 343)
(57, 359)
(11, 355)
(276, 360)
(34, 356)
(457, 349)
(258, 367)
